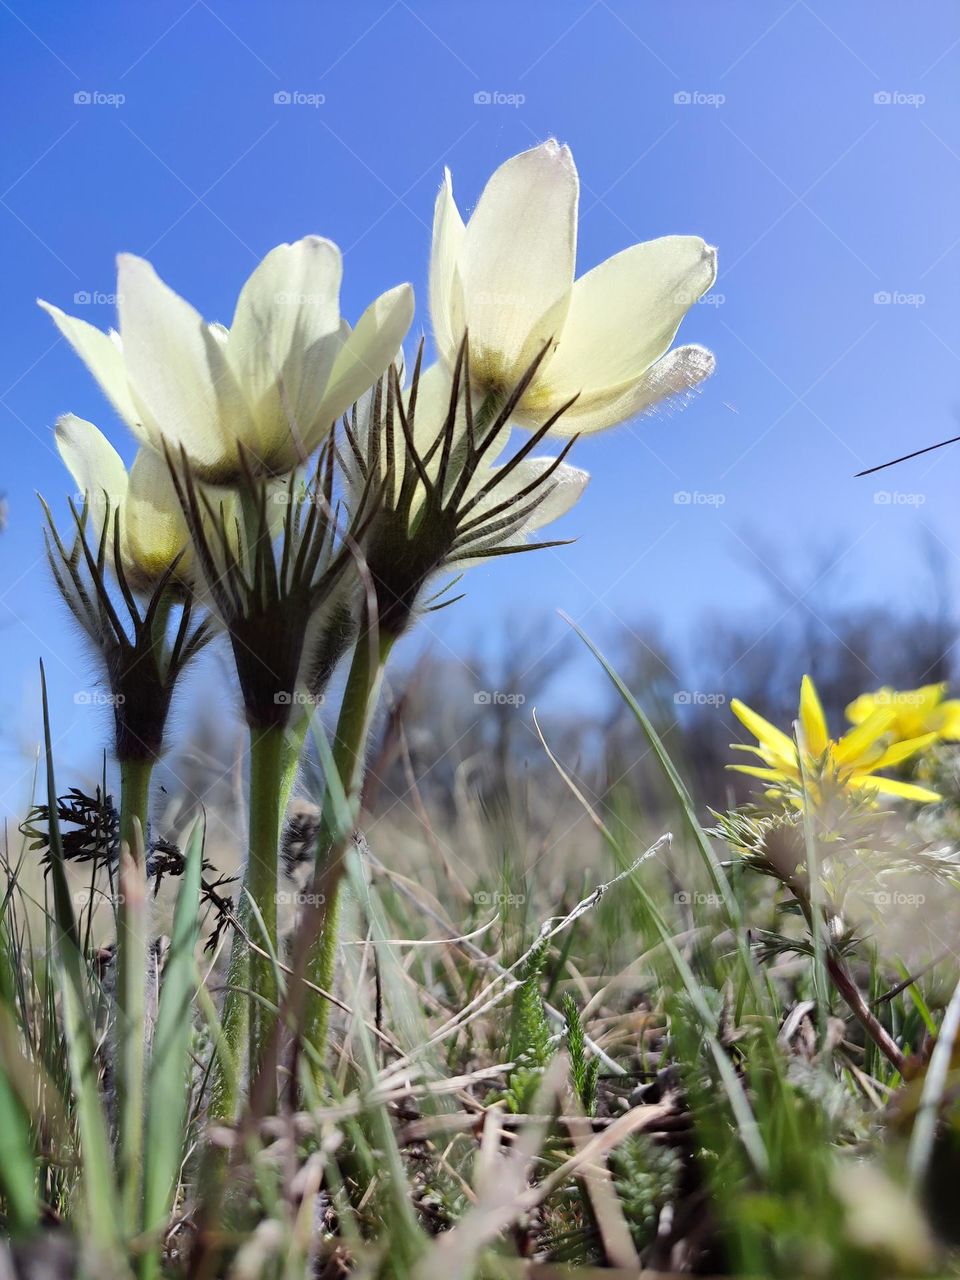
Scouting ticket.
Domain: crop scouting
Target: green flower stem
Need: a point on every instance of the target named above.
(295, 738)
(268, 765)
(132, 943)
(235, 1021)
(135, 778)
(356, 712)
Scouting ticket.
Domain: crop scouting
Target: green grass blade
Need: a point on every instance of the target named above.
(100, 1191)
(167, 1091)
(718, 878)
(17, 1180)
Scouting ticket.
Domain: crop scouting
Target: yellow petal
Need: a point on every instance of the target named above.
(855, 744)
(812, 719)
(860, 708)
(922, 700)
(771, 775)
(765, 733)
(901, 751)
(894, 787)
(950, 724)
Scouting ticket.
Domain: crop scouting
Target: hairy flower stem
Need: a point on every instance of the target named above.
(131, 961)
(268, 760)
(845, 984)
(861, 1011)
(356, 712)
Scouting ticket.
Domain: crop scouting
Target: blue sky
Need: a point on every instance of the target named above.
(818, 147)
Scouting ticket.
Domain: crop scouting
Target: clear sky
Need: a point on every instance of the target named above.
(818, 145)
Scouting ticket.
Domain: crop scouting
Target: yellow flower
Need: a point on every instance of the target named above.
(506, 277)
(270, 386)
(850, 762)
(918, 711)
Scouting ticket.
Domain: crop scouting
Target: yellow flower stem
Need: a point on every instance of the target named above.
(861, 1011)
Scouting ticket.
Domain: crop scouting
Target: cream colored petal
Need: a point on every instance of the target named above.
(557, 495)
(285, 338)
(96, 467)
(624, 314)
(104, 358)
(668, 383)
(178, 373)
(432, 407)
(446, 293)
(154, 530)
(365, 355)
(517, 260)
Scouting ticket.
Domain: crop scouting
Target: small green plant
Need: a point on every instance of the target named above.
(584, 1070)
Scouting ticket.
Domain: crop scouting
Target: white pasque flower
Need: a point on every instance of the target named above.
(153, 532)
(507, 279)
(270, 386)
